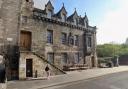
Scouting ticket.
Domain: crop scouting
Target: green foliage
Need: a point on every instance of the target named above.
(111, 50)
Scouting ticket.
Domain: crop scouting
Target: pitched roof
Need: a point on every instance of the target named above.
(49, 3)
(39, 10)
(58, 14)
(70, 18)
(81, 21)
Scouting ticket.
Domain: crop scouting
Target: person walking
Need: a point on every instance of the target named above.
(2, 70)
(2, 73)
(47, 69)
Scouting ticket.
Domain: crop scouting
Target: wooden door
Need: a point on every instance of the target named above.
(25, 40)
(29, 69)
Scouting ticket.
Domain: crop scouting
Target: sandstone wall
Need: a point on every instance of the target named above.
(10, 13)
(39, 29)
(38, 65)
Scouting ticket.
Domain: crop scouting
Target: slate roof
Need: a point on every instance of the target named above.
(58, 14)
(70, 18)
(81, 21)
(49, 2)
(39, 11)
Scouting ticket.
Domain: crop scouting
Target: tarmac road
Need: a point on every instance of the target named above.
(86, 79)
(111, 81)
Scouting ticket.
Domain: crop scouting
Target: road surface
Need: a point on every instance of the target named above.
(111, 81)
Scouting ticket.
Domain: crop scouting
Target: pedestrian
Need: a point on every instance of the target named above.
(2, 70)
(47, 69)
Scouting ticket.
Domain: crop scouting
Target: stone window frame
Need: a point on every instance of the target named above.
(49, 14)
(89, 41)
(24, 19)
(75, 21)
(76, 57)
(63, 17)
(70, 39)
(76, 40)
(50, 36)
(50, 57)
(63, 38)
(64, 58)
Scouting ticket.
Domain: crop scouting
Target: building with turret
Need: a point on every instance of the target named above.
(32, 38)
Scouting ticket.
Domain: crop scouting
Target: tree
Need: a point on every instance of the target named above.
(111, 50)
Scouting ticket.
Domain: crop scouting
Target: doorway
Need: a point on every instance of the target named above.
(25, 40)
(29, 68)
(93, 61)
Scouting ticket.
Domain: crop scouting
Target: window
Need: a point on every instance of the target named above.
(49, 36)
(76, 58)
(89, 43)
(75, 21)
(49, 14)
(63, 38)
(24, 19)
(76, 38)
(70, 39)
(50, 57)
(63, 18)
(64, 58)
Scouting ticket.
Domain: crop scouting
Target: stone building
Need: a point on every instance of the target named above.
(34, 38)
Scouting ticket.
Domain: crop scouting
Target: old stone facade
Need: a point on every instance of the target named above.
(46, 38)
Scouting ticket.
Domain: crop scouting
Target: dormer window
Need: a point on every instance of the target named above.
(75, 21)
(86, 23)
(49, 14)
(63, 18)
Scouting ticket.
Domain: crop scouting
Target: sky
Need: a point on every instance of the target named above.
(110, 16)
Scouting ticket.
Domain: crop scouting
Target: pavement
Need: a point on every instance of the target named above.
(2, 86)
(41, 83)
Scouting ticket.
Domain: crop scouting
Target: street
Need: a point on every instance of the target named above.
(86, 79)
(111, 81)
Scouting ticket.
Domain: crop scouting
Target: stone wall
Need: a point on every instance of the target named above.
(10, 20)
(1, 27)
(38, 65)
(39, 29)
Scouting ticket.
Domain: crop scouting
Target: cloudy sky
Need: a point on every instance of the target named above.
(110, 16)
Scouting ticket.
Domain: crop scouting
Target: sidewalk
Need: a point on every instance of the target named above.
(2, 86)
(63, 79)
